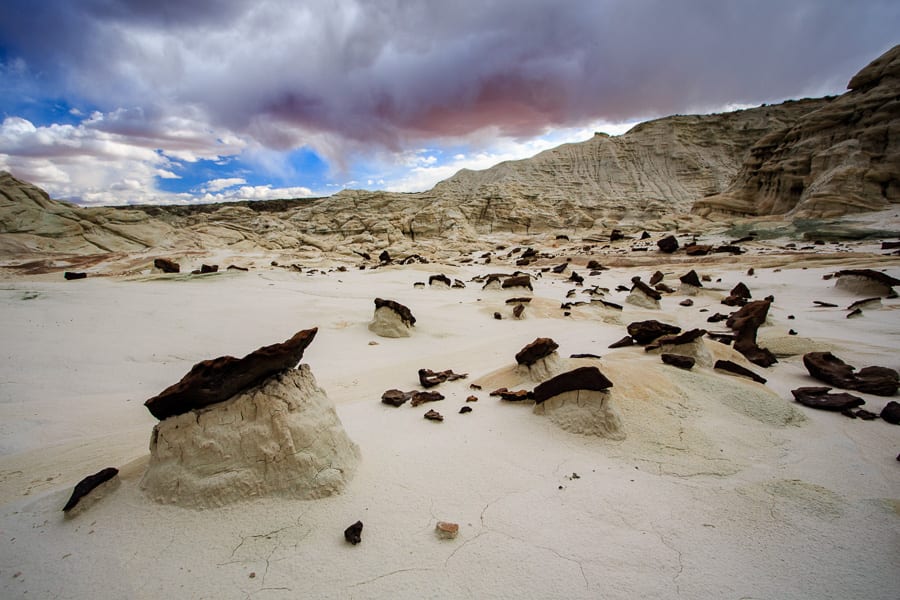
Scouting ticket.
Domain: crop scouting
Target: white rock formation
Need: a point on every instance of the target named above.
(388, 323)
(281, 437)
(543, 369)
(584, 412)
(638, 298)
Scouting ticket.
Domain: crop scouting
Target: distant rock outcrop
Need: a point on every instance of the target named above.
(843, 157)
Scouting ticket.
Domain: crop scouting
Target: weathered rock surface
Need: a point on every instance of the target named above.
(736, 369)
(536, 350)
(395, 397)
(429, 378)
(668, 244)
(819, 397)
(433, 415)
(826, 367)
(88, 484)
(353, 534)
(418, 398)
(841, 157)
(217, 380)
(678, 360)
(745, 324)
(644, 332)
(280, 437)
(578, 401)
(866, 281)
(391, 319)
(167, 266)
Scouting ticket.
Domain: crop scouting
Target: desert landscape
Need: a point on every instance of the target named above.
(657, 365)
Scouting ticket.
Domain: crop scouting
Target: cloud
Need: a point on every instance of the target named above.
(217, 185)
(194, 80)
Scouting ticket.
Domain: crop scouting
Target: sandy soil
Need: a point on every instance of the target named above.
(729, 491)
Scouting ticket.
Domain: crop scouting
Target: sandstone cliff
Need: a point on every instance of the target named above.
(842, 158)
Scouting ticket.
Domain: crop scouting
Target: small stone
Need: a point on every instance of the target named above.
(691, 278)
(440, 278)
(535, 351)
(686, 302)
(209, 269)
(252, 575)
(625, 341)
(791, 332)
(791, 317)
(824, 304)
(668, 244)
(423, 397)
(429, 378)
(72, 275)
(820, 398)
(736, 369)
(472, 399)
(751, 271)
(433, 415)
(678, 360)
(465, 409)
(518, 311)
(446, 531)
(891, 413)
(373, 343)
(498, 316)
(856, 312)
(168, 266)
(384, 257)
(656, 278)
(512, 396)
(353, 534)
(395, 397)
(88, 484)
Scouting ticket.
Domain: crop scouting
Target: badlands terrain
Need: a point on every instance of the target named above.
(564, 461)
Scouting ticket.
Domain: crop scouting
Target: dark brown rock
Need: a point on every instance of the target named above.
(594, 265)
(611, 305)
(678, 360)
(236, 268)
(891, 413)
(498, 316)
(353, 534)
(741, 291)
(890, 245)
(518, 311)
(395, 397)
(402, 311)
(616, 235)
(535, 351)
(880, 381)
(668, 244)
(575, 277)
(644, 332)
(584, 355)
(384, 257)
(433, 415)
(517, 281)
(582, 378)
(625, 341)
(423, 397)
(691, 278)
(745, 322)
(863, 414)
(656, 277)
(876, 276)
(560, 268)
(686, 302)
(88, 484)
(733, 367)
(429, 378)
(827, 367)
(216, 380)
(824, 304)
(72, 275)
(512, 396)
(519, 300)
(465, 409)
(819, 397)
(209, 269)
(661, 287)
(697, 250)
(439, 278)
(674, 340)
(167, 266)
(646, 289)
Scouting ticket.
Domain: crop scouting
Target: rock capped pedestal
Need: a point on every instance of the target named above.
(280, 437)
(391, 319)
(538, 360)
(578, 401)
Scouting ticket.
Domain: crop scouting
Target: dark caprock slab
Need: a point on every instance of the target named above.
(402, 311)
(582, 378)
(87, 485)
(819, 397)
(216, 380)
(535, 351)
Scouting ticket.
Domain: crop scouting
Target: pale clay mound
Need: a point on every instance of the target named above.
(387, 323)
(281, 437)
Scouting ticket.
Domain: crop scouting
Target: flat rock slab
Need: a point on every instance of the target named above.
(678, 360)
(826, 367)
(535, 351)
(429, 378)
(690, 278)
(820, 398)
(644, 332)
(217, 380)
(736, 369)
(512, 396)
(582, 378)
(88, 484)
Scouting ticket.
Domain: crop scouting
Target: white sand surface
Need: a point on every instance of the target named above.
(712, 494)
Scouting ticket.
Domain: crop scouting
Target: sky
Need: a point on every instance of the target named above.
(183, 101)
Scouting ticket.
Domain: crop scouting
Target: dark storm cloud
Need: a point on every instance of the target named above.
(392, 72)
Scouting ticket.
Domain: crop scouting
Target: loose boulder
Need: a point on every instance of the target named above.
(826, 367)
